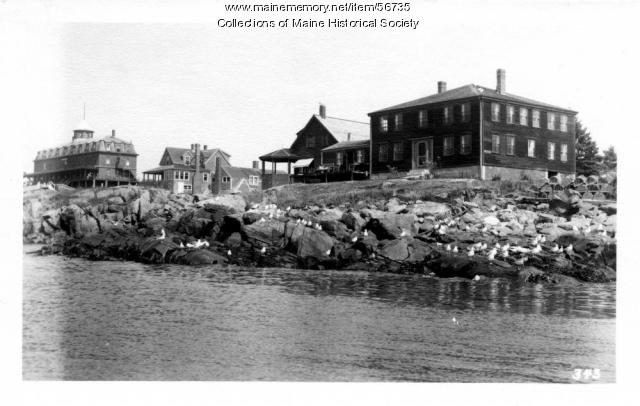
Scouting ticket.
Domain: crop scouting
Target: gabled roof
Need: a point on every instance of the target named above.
(342, 129)
(176, 153)
(470, 91)
(347, 145)
(238, 173)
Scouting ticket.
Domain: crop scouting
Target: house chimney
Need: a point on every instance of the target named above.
(113, 133)
(442, 86)
(501, 85)
(323, 111)
(256, 164)
(348, 136)
(204, 147)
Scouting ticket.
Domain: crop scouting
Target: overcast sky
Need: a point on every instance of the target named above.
(170, 76)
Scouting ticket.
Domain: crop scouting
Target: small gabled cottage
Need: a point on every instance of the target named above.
(474, 131)
(87, 161)
(320, 132)
(187, 170)
(235, 179)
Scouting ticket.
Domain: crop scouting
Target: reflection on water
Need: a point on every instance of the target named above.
(121, 320)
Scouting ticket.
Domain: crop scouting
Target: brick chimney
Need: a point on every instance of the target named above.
(442, 86)
(113, 133)
(204, 147)
(323, 111)
(256, 165)
(501, 83)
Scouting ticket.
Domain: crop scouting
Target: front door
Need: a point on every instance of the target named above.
(422, 153)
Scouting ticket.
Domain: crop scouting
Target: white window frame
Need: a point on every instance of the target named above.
(524, 118)
(465, 144)
(495, 112)
(187, 159)
(384, 146)
(510, 145)
(397, 152)
(397, 122)
(551, 120)
(465, 112)
(495, 146)
(563, 123)
(531, 148)
(446, 115)
(564, 152)
(423, 119)
(511, 114)
(205, 177)
(384, 124)
(448, 150)
(535, 118)
(359, 156)
(339, 155)
(226, 179)
(551, 151)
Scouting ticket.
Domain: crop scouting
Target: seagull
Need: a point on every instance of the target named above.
(543, 239)
(476, 278)
(263, 250)
(162, 235)
(421, 220)
(483, 246)
(298, 221)
(373, 255)
(506, 247)
(262, 220)
(439, 244)
(555, 248)
(288, 208)
(189, 245)
(442, 230)
(365, 233)
(569, 249)
(448, 247)
(181, 244)
(455, 249)
(205, 243)
(497, 246)
(484, 229)
(587, 230)
(328, 252)
(354, 239)
(491, 255)
(575, 229)
(455, 321)
(229, 253)
(471, 253)
(467, 228)
(536, 250)
(270, 215)
(505, 253)
(404, 233)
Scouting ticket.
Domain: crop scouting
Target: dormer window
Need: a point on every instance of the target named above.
(187, 159)
(108, 146)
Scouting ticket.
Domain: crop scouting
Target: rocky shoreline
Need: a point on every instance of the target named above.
(474, 234)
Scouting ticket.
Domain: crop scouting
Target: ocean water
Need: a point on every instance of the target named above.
(127, 321)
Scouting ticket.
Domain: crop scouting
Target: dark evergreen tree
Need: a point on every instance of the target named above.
(610, 159)
(587, 159)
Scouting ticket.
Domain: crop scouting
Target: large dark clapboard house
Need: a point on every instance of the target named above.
(474, 131)
(306, 151)
(87, 161)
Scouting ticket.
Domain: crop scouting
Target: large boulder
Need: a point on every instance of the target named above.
(353, 220)
(328, 215)
(395, 206)
(565, 203)
(203, 257)
(235, 202)
(76, 221)
(387, 226)
(435, 209)
(395, 250)
(269, 231)
(336, 229)
(155, 251)
(314, 243)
